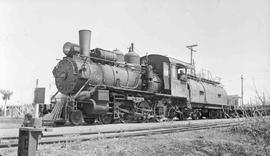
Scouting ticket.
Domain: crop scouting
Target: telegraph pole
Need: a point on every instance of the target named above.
(242, 90)
(36, 83)
(191, 52)
(191, 56)
(36, 104)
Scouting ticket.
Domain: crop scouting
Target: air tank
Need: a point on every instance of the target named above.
(114, 55)
(103, 54)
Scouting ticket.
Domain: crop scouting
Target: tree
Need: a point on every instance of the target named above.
(262, 98)
(6, 96)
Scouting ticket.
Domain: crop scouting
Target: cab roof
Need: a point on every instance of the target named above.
(170, 60)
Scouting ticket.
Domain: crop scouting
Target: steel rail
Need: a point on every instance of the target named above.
(60, 138)
(129, 130)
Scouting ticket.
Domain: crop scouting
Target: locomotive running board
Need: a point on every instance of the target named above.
(139, 91)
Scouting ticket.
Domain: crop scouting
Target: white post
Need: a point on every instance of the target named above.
(37, 110)
(5, 109)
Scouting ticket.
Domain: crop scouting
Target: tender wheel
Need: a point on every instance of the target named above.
(196, 115)
(75, 117)
(181, 116)
(220, 114)
(89, 121)
(106, 118)
(171, 113)
(212, 114)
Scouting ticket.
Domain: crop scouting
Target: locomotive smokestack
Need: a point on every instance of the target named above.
(85, 39)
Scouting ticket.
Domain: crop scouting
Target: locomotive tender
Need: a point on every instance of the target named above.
(108, 85)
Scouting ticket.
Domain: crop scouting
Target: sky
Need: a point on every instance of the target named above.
(233, 37)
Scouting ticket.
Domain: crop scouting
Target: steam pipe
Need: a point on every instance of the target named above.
(84, 40)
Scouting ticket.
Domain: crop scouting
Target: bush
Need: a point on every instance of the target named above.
(256, 129)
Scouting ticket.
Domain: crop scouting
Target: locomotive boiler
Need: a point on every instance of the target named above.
(107, 85)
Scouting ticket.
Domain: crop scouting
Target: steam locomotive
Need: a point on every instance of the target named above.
(108, 86)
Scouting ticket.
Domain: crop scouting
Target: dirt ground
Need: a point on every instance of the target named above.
(204, 142)
(6, 123)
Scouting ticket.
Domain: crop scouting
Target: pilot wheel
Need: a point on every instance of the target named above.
(75, 117)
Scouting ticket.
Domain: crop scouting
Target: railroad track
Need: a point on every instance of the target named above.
(8, 142)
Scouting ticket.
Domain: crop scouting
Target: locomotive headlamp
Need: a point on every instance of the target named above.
(67, 47)
(70, 49)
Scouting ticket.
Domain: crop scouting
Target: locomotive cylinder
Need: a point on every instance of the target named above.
(84, 40)
(94, 108)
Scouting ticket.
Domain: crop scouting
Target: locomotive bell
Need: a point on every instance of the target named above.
(85, 39)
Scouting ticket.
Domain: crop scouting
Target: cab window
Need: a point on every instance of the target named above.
(173, 71)
(180, 73)
(165, 69)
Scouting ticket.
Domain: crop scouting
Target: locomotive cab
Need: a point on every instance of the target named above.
(173, 74)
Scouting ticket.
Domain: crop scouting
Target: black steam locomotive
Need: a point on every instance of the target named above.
(108, 86)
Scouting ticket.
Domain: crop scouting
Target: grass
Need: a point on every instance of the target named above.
(250, 138)
(241, 140)
(256, 131)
